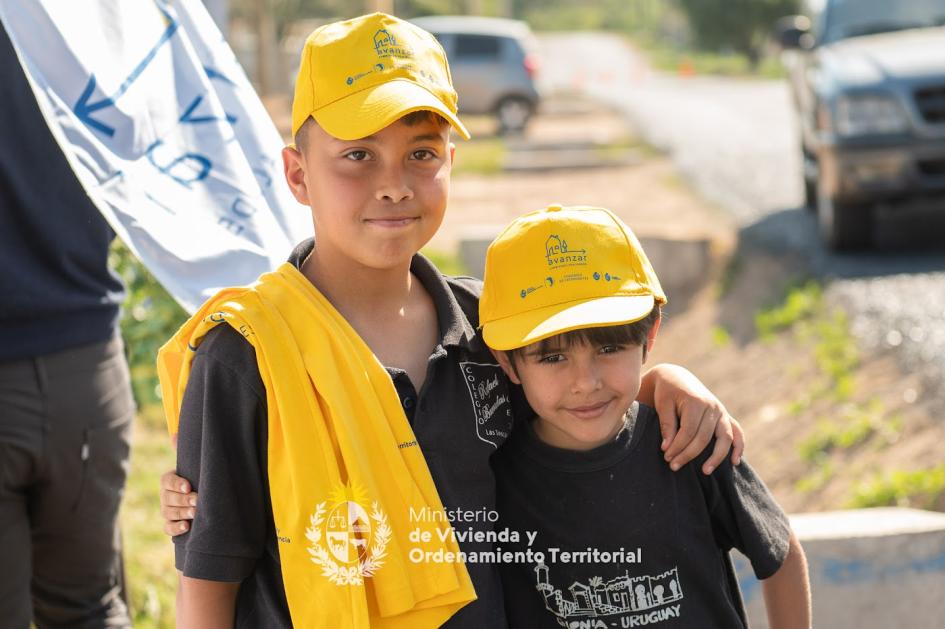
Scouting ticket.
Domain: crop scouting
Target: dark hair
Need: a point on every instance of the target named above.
(424, 115)
(301, 136)
(625, 334)
(412, 119)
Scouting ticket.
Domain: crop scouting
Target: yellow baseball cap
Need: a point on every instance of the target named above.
(359, 76)
(561, 269)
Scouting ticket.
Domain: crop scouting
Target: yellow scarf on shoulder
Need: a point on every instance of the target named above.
(351, 492)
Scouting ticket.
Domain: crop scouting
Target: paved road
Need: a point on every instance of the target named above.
(735, 140)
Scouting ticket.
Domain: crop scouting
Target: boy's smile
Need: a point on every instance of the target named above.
(376, 200)
(580, 393)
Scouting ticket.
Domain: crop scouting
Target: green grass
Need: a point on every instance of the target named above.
(801, 302)
(447, 262)
(835, 352)
(150, 316)
(721, 337)
(816, 480)
(684, 61)
(480, 157)
(149, 554)
(623, 147)
(733, 268)
(824, 335)
(855, 424)
(921, 489)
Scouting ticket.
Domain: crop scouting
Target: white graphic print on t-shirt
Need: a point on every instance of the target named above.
(625, 601)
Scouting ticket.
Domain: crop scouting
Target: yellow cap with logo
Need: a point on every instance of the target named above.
(358, 76)
(561, 269)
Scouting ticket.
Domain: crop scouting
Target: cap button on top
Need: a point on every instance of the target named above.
(555, 207)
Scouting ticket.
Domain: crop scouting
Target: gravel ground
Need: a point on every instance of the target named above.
(913, 328)
(735, 140)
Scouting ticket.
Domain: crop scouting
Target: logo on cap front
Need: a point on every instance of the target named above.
(559, 254)
(385, 45)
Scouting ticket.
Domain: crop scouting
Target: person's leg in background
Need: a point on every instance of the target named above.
(21, 438)
(73, 507)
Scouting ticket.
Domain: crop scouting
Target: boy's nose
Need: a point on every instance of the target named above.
(586, 377)
(393, 187)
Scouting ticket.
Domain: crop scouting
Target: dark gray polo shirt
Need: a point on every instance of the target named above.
(460, 416)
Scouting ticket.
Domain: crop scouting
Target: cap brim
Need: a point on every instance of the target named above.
(366, 112)
(533, 326)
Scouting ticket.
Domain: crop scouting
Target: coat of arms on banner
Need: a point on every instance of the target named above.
(348, 542)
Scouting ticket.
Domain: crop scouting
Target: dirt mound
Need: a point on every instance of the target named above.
(823, 437)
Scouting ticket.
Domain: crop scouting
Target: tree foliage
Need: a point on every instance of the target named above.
(150, 316)
(284, 12)
(742, 25)
(610, 15)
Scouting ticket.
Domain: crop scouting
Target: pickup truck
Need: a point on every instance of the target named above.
(868, 83)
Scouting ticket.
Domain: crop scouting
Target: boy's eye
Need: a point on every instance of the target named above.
(356, 156)
(551, 358)
(423, 155)
(611, 349)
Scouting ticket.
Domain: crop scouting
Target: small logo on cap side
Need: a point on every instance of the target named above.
(378, 67)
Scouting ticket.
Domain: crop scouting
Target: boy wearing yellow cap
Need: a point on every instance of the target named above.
(345, 415)
(607, 536)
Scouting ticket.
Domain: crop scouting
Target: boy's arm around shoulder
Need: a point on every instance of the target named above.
(787, 591)
(690, 417)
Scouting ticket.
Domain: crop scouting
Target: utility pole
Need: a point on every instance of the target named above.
(383, 6)
(220, 12)
(266, 49)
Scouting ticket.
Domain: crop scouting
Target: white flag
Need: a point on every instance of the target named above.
(166, 135)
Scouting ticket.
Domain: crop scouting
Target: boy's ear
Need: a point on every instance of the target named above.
(505, 361)
(651, 337)
(452, 153)
(292, 166)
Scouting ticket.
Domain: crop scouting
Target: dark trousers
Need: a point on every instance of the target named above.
(65, 423)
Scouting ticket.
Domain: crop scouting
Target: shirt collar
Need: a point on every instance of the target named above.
(455, 329)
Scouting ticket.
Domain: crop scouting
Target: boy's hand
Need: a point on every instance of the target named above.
(178, 503)
(690, 415)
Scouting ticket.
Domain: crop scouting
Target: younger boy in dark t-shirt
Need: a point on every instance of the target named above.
(600, 533)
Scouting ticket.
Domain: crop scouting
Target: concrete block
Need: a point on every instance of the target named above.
(474, 240)
(869, 569)
(683, 264)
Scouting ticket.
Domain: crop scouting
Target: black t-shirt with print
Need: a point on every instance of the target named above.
(667, 533)
(460, 416)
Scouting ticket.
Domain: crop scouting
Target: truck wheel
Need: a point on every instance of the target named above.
(844, 226)
(513, 114)
(810, 169)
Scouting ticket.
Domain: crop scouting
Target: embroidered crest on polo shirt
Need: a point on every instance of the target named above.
(349, 543)
(490, 400)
